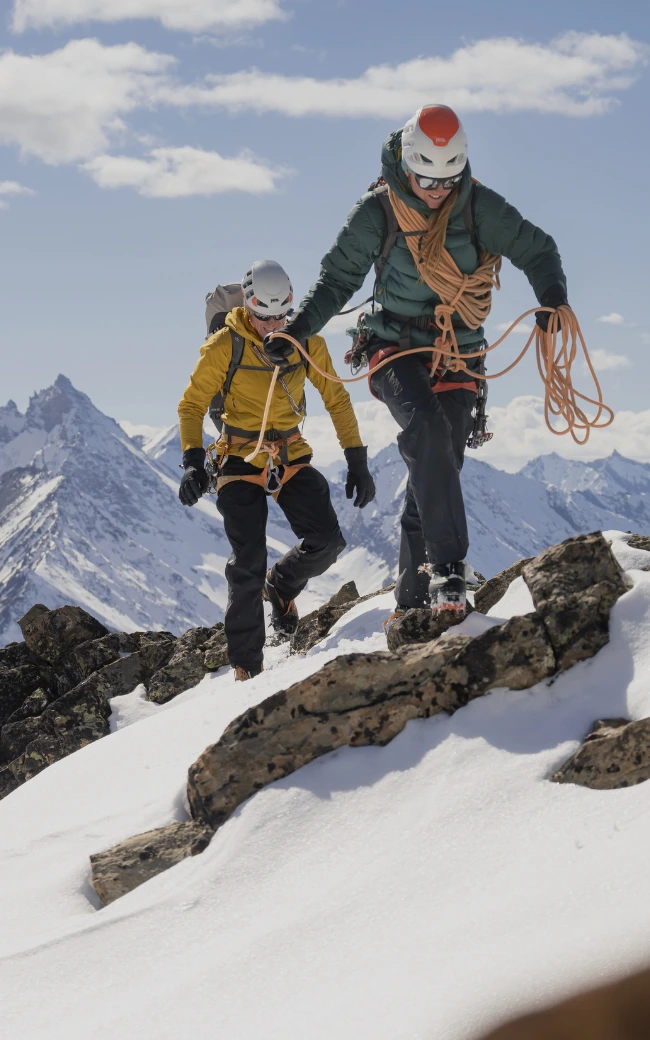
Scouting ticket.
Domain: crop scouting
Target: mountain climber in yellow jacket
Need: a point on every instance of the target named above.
(282, 468)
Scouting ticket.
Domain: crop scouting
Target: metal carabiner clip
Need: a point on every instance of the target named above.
(273, 475)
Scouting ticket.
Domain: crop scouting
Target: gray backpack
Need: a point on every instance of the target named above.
(217, 306)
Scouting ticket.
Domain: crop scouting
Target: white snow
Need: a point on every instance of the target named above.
(425, 889)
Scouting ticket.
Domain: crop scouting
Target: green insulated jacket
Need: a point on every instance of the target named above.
(499, 228)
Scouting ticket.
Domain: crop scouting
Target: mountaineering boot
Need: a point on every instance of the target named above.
(447, 588)
(284, 614)
(242, 674)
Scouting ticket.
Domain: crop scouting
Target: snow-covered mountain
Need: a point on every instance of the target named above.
(90, 515)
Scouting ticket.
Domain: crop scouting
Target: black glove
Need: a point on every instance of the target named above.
(278, 350)
(555, 296)
(359, 478)
(194, 481)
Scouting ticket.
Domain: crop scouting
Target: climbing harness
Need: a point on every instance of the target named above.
(272, 478)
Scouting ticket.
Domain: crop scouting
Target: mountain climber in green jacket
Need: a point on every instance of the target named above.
(429, 185)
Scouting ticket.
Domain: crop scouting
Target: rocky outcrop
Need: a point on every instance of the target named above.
(616, 753)
(639, 541)
(315, 626)
(362, 699)
(574, 585)
(56, 687)
(126, 866)
(489, 594)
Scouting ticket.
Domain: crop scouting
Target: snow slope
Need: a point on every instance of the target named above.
(422, 890)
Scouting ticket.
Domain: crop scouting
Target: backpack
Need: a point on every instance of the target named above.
(217, 305)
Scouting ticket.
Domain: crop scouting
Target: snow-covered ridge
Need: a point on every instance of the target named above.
(424, 889)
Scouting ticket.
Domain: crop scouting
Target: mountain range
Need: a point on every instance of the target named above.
(90, 515)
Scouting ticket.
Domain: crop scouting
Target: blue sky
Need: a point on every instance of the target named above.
(146, 159)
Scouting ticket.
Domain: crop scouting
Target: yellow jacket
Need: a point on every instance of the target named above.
(244, 405)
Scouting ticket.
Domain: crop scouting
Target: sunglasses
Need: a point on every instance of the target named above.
(272, 317)
(437, 182)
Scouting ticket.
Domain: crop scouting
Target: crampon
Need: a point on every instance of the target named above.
(447, 589)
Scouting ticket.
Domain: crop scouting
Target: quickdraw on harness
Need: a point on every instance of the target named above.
(271, 479)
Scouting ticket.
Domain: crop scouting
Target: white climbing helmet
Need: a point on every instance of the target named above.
(267, 289)
(434, 143)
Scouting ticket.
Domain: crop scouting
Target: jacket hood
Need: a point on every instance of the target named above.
(237, 320)
(393, 174)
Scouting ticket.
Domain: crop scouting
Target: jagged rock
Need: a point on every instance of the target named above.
(32, 706)
(616, 753)
(13, 655)
(216, 650)
(49, 634)
(84, 709)
(121, 869)
(91, 656)
(639, 541)
(574, 586)
(183, 671)
(15, 685)
(420, 626)
(16, 736)
(315, 626)
(487, 595)
(47, 749)
(193, 639)
(155, 650)
(360, 699)
(8, 782)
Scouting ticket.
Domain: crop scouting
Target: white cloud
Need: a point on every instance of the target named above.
(522, 329)
(603, 361)
(190, 15)
(520, 434)
(68, 105)
(377, 428)
(612, 319)
(179, 172)
(12, 188)
(575, 75)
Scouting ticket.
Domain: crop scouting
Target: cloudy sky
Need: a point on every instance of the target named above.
(152, 148)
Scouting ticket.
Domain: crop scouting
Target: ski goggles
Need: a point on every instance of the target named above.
(437, 182)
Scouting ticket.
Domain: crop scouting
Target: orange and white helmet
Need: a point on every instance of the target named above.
(434, 143)
(267, 289)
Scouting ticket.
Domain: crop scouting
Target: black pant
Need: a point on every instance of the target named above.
(434, 431)
(305, 501)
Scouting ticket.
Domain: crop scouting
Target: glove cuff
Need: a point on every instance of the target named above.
(353, 455)
(194, 457)
(298, 327)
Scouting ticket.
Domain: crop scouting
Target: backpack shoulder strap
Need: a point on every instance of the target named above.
(392, 227)
(235, 361)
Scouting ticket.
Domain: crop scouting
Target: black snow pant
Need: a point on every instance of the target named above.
(434, 432)
(305, 501)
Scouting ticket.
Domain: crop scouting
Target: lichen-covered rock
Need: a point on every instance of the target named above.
(13, 655)
(85, 709)
(183, 671)
(125, 866)
(47, 749)
(50, 634)
(15, 736)
(360, 699)
(32, 706)
(193, 639)
(574, 586)
(91, 656)
(155, 650)
(639, 541)
(315, 626)
(15, 685)
(419, 626)
(216, 657)
(616, 753)
(494, 589)
(8, 782)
